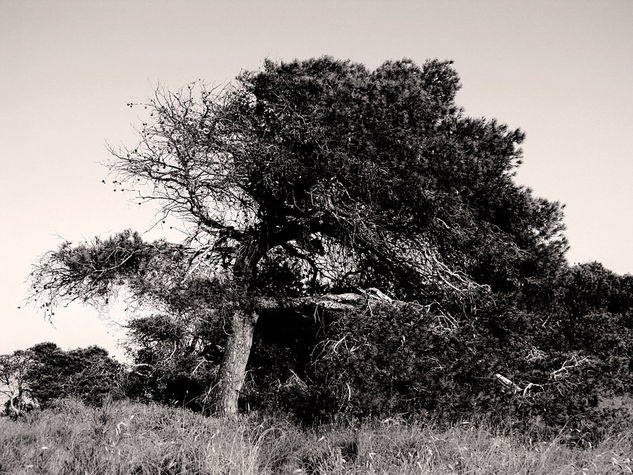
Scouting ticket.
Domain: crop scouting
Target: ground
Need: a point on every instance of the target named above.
(125, 437)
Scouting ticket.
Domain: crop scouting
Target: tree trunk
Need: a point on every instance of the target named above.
(233, 367)
(240, 340)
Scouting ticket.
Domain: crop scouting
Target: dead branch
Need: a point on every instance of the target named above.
(563, 371)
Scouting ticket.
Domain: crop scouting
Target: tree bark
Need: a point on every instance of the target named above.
(233, 366)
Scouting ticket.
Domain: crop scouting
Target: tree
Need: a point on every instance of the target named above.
(303, 184)
(173, 362)
(44, 373)
(96, 377)
(85, 373)
(14, 383)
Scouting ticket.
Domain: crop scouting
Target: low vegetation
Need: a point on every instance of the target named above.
(124, 437)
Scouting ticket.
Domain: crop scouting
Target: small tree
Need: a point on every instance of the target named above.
(14, 382)
(307, 182)
(85, 373)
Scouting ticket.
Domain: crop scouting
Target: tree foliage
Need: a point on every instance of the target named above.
(38, 376)
(14, 382)
(302, 186)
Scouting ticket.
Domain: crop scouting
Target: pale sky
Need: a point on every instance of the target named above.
(560, 70)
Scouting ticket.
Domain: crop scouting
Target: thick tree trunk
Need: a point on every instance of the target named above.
(233, 367)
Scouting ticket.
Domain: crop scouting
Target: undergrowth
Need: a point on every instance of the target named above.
(131, 438)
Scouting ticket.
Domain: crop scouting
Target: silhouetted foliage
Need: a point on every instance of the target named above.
(85, 373)
(356, 244)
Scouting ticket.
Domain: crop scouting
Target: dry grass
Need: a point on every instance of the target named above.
(127, 438)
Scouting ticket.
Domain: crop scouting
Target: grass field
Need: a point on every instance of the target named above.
(129, 438)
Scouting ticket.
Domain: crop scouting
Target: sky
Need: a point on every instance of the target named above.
(561, 71)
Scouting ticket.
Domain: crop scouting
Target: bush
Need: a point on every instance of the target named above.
(406, 361)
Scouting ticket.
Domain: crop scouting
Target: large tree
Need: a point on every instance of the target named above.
(307, 183)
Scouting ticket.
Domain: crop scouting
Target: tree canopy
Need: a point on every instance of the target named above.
(44, 373)
(306, 184)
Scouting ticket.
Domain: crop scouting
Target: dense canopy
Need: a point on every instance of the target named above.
(308, 183)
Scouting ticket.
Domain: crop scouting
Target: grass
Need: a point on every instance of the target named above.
(129, 438)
